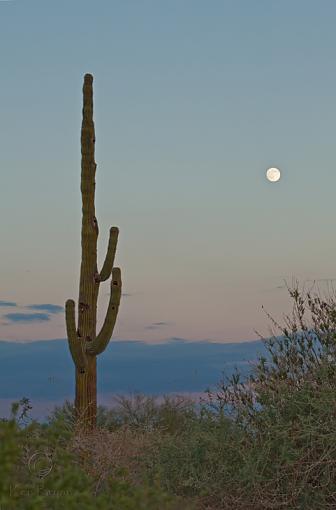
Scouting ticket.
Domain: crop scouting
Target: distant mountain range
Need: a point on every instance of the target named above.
(44, 370)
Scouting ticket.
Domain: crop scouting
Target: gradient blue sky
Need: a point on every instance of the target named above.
(193, 100)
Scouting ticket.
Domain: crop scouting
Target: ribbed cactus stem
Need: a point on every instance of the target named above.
(76, 345)
(84, 345)
(100, 343)
(105, 273)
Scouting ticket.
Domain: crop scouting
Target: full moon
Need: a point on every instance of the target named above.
(273, 174)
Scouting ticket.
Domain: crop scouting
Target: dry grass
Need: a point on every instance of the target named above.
(105, 453)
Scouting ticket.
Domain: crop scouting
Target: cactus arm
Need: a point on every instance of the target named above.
(111, 250)
(75, 344)
(99, 344)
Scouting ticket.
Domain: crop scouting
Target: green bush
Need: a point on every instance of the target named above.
(269, 441)
(40, 471)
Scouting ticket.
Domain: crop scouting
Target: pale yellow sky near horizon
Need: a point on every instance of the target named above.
(157, 323)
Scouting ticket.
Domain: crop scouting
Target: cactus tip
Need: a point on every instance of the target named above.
(116, 275)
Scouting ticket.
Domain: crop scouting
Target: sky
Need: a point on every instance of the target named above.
(193, 101)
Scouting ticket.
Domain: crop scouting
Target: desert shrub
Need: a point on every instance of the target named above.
(44, 468)
(137, 411)
(169, 413)
(287, 408)
(201, 461)
(267, 441)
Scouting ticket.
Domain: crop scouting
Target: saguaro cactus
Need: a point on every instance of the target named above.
(84, 344)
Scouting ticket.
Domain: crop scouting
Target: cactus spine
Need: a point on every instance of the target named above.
(84, 344)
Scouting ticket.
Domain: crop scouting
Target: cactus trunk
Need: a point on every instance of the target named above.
(86, 395)
(83, 343)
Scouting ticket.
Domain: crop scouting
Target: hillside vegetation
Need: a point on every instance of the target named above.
(266, 442)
